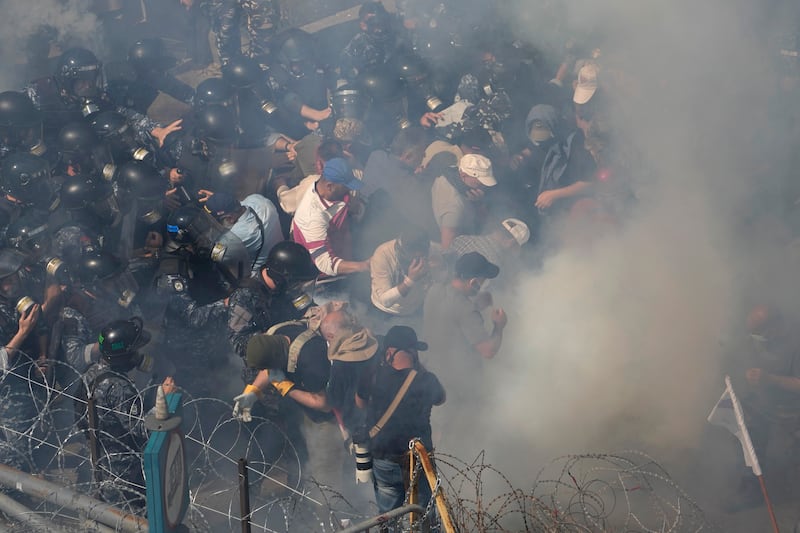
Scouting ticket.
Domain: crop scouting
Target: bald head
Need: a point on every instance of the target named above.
(337, 323)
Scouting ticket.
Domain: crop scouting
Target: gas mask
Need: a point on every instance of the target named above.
(379, 28)
(301, 294)
(123, 146)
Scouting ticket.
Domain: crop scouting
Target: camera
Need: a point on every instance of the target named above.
(363, 463)
(361, 442)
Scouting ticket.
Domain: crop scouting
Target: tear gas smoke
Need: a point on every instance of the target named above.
(625, 342)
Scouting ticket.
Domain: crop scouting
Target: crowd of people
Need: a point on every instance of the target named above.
(337, 229)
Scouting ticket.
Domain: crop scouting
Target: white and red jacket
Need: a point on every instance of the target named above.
(320, 226)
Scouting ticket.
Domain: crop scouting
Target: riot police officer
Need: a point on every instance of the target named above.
(202, 156)
(374, 45)
(26, 184)
(151, 64)
(77, 91)
(81, 151)
(120, 430)
(262, 18)
(20, 125)
(300, 84)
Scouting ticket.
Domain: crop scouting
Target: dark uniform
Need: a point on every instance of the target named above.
(193, 338)
(121, 433)
(225, 16)
(58, 111)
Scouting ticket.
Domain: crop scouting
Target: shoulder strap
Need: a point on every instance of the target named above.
(297, 344)
(261, 235)
(393, 406)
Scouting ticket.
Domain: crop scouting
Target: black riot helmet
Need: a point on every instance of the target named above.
(215, 123)
(20, 124)
(296, 52)
(289, 262)
(149, 55)
(109, 124)
(213, 91)
(79, 72)
(119, 343)
(113, 128)
(290, 267)
(140, 179)
(79, 147)
(10, 262)
(108, 277)
(242, 72)
(179, 224)
(349, 102)
(80, 191)
(92, 194)
(190, 225)
(98, 266)
(413, 70)
(74, 139)
(29, 234)
(382, 85)
(26, 177)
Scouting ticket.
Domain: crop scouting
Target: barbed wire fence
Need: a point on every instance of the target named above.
(44, 421)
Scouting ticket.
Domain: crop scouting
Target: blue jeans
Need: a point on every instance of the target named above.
(390, 480)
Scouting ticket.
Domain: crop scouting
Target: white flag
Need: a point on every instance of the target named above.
(728, 414)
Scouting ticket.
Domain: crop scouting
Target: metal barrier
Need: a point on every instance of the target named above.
(39, 434)
(384, 518)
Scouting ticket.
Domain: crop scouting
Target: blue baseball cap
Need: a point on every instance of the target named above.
(337, 170)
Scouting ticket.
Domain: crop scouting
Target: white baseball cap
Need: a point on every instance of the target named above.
(518, 229)
(479, 167)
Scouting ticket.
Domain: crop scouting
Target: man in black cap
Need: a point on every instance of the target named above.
(460, 344)
(399, 372)
(453, 317)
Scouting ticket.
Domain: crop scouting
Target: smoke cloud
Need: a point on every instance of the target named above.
(63, 22)
(624, 343)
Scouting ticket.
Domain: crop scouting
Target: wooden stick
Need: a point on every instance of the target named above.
(430, 473)
(769, 504)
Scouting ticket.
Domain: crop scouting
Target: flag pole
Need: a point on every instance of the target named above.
(769, 504)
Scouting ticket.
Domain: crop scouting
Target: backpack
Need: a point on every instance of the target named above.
(296, 345)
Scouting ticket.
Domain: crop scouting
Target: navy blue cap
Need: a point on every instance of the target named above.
(221, 203)
(337, 170)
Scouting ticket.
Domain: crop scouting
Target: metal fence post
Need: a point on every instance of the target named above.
(244, 496)
(91, 415)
